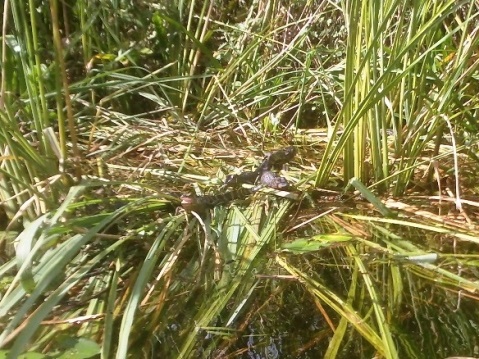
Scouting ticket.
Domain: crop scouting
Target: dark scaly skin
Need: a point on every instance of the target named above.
(262, 175)
(278, 158)
(248, 177)
(274, 160)
(199, 204)
(273, 180)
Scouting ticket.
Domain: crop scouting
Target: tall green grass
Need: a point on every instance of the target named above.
(111, 109)
(408, 71)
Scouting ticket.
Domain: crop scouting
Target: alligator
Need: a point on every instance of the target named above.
(263, 176)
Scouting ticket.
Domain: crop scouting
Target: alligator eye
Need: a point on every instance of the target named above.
(230, 180)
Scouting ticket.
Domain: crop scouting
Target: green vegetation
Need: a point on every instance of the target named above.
(111, 110)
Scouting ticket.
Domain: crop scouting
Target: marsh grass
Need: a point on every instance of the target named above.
(116, 109)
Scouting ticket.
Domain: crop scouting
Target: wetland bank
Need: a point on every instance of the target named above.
(114, 112)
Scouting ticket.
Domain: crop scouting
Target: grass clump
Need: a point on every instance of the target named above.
(111, 111)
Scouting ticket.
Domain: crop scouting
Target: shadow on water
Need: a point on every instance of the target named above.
(347, 284)
(416, 275)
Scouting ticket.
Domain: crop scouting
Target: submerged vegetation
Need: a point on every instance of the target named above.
(111, 110)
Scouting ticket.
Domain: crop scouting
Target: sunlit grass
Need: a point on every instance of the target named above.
(109, 113)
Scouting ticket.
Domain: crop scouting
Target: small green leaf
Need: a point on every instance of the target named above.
(315, 243)
(78, 348)
(31, 355)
